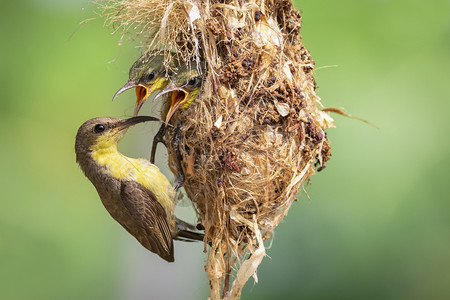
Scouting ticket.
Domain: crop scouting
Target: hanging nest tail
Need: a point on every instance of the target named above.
(254, 134)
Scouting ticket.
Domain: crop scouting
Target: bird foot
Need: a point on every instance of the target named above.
(159, 138)
(179, 181)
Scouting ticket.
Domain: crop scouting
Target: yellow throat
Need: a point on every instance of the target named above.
(121, 167)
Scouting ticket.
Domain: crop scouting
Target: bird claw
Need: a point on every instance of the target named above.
(159, 138)
(179, 181)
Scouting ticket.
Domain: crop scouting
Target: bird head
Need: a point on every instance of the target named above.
(184, 86)
(147, 75)
(104, 133)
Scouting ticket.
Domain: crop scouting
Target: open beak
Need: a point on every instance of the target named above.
(130, 84)
(142, 93)
(126, 123)
(179, 96)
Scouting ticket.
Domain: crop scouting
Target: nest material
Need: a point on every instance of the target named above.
(254, 134)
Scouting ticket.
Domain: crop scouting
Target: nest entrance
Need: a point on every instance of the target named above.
(254, 133)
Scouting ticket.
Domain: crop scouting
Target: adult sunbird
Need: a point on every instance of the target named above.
(147, 75)
(133, 191)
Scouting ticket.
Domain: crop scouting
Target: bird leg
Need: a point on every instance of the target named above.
(159, 138)
(179, 181)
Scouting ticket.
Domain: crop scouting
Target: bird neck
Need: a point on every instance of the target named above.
(192, 96)
(115, 163)
(105, 154)
(94, 162)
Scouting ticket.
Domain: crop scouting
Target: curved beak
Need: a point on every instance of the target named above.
(130, 84)
(126, 123)
(142, 93)
(179, 96)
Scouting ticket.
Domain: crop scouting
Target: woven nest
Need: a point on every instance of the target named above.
(255, 132)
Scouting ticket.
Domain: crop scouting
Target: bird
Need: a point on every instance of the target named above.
(134, 191)
(185, 86)
(147, 75)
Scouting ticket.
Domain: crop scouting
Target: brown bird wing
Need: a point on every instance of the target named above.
(149, 219)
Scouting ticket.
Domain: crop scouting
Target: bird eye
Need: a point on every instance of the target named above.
(99, 128)
(151, 76)
(193, 81)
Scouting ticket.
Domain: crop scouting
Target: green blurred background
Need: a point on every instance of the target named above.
(378, 222)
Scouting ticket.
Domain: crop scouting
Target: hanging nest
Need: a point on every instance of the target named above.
(254, 134)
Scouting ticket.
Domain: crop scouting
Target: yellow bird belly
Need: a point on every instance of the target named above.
(139, 170)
